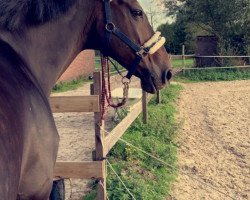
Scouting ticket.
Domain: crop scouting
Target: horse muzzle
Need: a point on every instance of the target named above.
(166, 76)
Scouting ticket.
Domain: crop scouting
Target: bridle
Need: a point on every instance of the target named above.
(150, 47)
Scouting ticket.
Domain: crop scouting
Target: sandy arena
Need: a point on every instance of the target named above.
(214, 141)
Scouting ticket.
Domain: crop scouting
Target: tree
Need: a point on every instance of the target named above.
(229, 20)
(180, 33)
(175, 35)
(154, 11)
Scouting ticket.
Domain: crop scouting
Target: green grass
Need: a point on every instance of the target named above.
(178, 63)
(208, 74)
(91, 196)
(72, 85)
(112, 68)
(145, 177)
(213, 75)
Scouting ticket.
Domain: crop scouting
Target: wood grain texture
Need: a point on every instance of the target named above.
(79, 170)
(144, 107)
(120, 129)
(60, 104)
(99, 137)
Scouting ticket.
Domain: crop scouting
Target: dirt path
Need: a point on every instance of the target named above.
(214, 141)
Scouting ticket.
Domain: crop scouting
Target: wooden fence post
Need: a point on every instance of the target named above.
(99, 138)
(183, 56)
(158, 97)
(144, 107)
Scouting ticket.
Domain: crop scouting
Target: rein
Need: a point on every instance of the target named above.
(148, 48)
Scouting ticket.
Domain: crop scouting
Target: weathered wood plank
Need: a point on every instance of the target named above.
(221, 56)
(173, 57)
(99, 134)
(158, 97)
(99, 137)
(144, 107)
(120, 129)
(212, 68)
(176, 57)
(183, 56)
(75, 104)
(79, 170)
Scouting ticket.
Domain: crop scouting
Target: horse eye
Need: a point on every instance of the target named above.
(137, 13)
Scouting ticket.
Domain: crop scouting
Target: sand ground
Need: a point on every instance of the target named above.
(214, 141)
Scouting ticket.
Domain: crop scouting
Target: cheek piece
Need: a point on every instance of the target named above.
(148, 48)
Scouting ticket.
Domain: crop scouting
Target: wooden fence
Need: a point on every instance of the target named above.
(183, 57)
(103, 144)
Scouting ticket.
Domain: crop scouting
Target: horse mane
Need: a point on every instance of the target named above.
(15, 13)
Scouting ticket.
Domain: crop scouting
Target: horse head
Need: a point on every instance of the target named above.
(122, 31)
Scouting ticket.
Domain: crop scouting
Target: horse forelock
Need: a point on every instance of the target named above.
(15, 13)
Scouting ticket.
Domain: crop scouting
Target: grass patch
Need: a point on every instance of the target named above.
(213, 75)
(98, 66)
(91, 196)
(177, 63)
(145, 177)
(72, 85)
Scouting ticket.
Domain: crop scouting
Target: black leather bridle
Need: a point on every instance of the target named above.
(110, 29)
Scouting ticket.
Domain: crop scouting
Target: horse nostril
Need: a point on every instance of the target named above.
(167, 75)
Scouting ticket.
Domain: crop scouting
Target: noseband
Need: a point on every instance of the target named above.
(150, 47)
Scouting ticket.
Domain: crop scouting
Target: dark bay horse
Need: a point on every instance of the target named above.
(38, 41)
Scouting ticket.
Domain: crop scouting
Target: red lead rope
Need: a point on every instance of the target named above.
(106, 90)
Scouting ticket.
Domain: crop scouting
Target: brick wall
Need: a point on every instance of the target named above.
(83, 65)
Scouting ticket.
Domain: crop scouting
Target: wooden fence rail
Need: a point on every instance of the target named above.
(103, 144)
(211, 68)
(121, 128)
(79, 170)
(183, 57)
(61, 104)
(174, 57)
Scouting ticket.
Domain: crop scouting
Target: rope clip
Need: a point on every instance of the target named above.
(125, 80)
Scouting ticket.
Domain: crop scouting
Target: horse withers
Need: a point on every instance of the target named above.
(38, 41)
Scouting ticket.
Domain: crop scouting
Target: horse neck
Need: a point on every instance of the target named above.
(48, 49)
